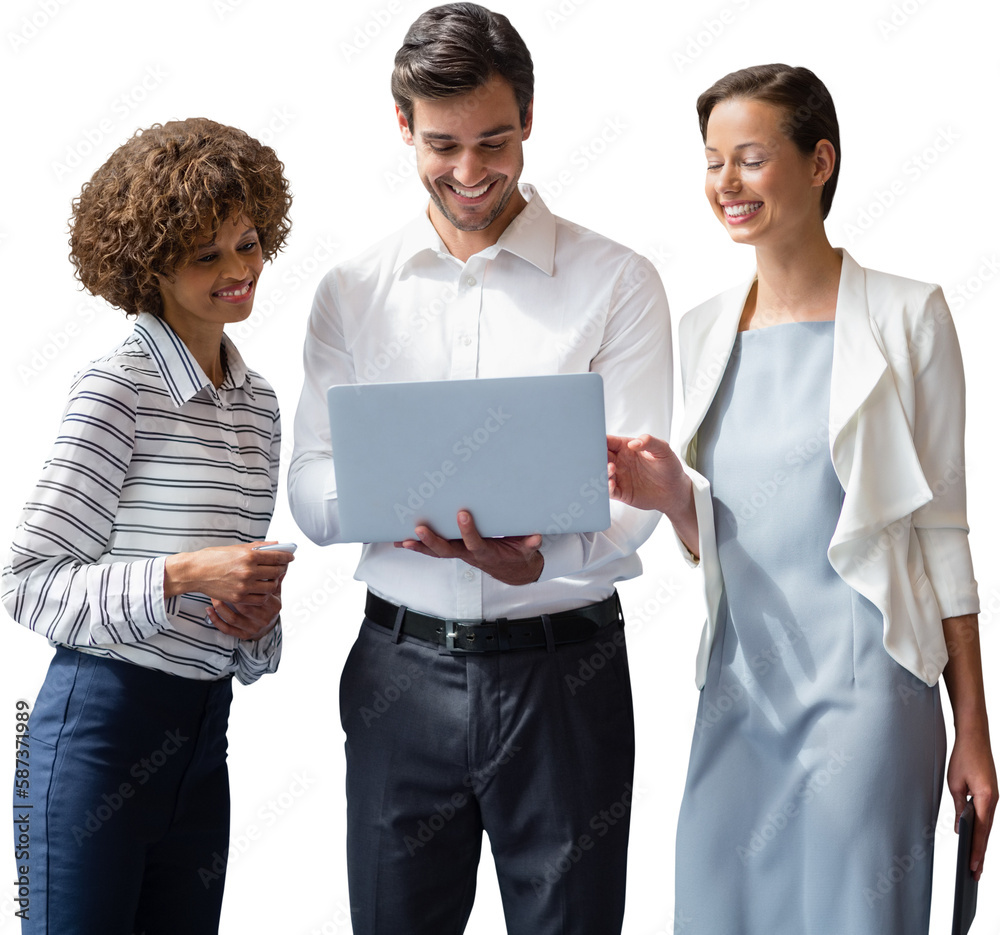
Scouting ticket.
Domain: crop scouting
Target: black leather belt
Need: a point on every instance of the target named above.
(485, 636)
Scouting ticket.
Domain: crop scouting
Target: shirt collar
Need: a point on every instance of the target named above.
(182, 374)
(530, 236)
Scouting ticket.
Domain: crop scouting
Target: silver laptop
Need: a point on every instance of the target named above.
(521, 454)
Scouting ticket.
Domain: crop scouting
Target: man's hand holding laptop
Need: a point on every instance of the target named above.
(510, 559)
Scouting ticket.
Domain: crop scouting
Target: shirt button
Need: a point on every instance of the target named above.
(466, 340)
(470, 575)
(470, 281)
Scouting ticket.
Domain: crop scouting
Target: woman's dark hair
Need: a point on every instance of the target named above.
(457, 48)
(808, 107)
(144, 210)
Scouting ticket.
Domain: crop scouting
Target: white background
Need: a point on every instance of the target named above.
(616, 82)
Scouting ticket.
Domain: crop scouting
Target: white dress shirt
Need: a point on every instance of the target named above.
(151, 459)
(548, 297)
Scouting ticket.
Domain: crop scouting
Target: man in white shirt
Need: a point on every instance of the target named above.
(527, 731)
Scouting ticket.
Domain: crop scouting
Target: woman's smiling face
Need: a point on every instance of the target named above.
(760, 185)
(218, 285)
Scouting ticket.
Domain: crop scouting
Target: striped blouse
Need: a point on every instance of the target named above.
(151, 459)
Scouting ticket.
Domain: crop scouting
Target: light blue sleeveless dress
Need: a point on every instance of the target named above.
(817, 762)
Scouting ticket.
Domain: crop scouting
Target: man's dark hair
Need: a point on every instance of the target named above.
(809, 112)
(457, 48)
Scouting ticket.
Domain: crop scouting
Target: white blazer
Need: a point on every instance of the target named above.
(896, 437)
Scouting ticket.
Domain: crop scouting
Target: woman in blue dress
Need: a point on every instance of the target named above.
(819, 480)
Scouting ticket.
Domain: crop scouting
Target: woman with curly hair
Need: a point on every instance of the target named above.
(135, 555)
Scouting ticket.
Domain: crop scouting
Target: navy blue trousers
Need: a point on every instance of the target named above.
(128, 804)
(535, 748)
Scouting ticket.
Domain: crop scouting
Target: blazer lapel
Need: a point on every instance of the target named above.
(858, 360)
(708, 361)
(871, 443)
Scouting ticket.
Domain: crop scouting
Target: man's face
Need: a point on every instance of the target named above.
(469, 154)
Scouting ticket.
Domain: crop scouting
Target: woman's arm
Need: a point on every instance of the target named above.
(57, 581)
(53, 582)
(645, 472)
(971, 770)
(942, 530)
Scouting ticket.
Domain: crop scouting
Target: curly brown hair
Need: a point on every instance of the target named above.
(159, 194)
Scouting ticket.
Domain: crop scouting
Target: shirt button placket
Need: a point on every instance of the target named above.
(232, 440)
(465, 366)
(469, 591)
(465, 349)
